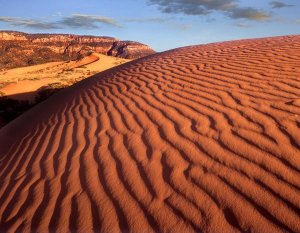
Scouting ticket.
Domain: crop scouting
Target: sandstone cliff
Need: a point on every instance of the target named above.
(21, 49)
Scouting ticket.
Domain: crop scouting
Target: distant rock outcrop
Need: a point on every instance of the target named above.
(21, 49)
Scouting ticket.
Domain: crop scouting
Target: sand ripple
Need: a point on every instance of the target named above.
(202, 138)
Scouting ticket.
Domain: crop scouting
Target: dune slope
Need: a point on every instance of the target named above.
(201, 138)
(28, 80)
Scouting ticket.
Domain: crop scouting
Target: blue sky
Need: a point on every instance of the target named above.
(162, 24)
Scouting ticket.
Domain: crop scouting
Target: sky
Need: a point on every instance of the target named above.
(162, 24)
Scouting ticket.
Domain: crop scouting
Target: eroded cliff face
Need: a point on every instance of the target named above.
(128, 49)
(21, 49)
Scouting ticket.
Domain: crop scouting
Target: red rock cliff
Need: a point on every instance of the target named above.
(67, 45)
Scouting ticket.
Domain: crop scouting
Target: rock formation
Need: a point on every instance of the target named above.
(21, 49)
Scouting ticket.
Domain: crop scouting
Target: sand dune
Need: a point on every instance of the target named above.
(84, 61)
(202, 138)
(31, 78)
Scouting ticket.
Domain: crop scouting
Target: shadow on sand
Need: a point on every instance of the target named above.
(12, 106)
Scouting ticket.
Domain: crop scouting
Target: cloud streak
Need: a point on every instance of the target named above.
(248, 13)
(206, 7)
(242, 25)
(192, 7)
(147, 20)
(278, 4)
(29, 23)
(87, 21)
(75, 21)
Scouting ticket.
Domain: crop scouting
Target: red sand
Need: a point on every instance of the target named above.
(84, 61)
(25, 90)
(202, 138)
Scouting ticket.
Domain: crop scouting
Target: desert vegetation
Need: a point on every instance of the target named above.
(14, 55)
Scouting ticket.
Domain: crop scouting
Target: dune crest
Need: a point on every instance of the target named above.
(202, 138)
